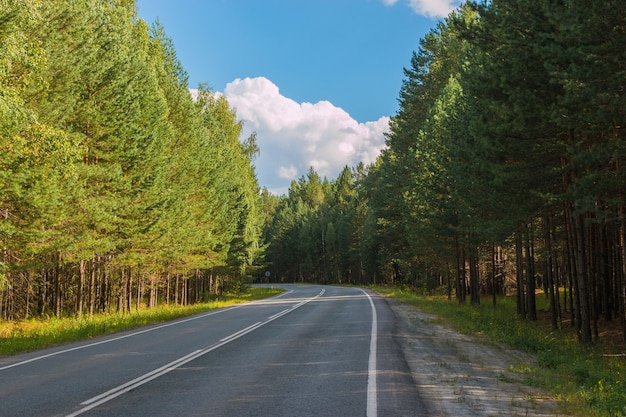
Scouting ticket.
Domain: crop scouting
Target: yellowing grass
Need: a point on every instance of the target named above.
(25, 335)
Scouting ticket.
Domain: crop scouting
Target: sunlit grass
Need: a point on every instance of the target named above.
(26, 335)
(587, 381)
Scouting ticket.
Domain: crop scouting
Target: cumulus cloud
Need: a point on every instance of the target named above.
(287, 173)
(294, 136)
(429, 8)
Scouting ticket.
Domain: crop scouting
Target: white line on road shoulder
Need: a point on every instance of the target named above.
(172, 323)
(372, 389)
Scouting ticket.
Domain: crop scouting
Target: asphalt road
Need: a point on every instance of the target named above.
(312, 351)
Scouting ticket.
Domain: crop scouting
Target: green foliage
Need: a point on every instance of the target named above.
(111, 174)
(315, 233)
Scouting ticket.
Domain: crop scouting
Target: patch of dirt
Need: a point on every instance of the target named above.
(458, 376)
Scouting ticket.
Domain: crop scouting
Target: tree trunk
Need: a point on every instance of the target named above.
(622, 272)
(138, 300)
(584, 333)
(549, 273)
(92, 287)
(129, 290)
(168, 280)
(460, 272)
(572, 275)
(448, 282)
(28, 291)
(474, 276)
(493, 273)
(531, 305)
(81, 284)
(57, 285)
(196, 297)
(519, 266)
(606, 287)
(176, 286)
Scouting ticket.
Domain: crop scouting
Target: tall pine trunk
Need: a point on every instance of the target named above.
(474, 276)
(549, 274)
(519, 274)
(531, 303)
(621, 280)
(58, 293)
(584, 309)
(81, 284)
(461, 290)
(493, 274)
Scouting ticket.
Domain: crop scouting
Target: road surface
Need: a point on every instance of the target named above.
(312, 351)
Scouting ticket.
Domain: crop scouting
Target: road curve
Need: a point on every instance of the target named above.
(312, 351)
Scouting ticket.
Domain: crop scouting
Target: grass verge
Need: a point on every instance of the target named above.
(27, 335)
(587, 381)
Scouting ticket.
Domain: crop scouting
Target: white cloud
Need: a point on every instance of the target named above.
(295, 136)
(288, 173)
(429, 8)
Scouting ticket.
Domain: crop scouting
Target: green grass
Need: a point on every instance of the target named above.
(586, 381)
(27, 335)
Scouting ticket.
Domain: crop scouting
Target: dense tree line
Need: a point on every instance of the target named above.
(117, 187)
(504, 170)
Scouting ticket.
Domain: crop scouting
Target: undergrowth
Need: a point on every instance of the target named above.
(27, 335)
(587, 381)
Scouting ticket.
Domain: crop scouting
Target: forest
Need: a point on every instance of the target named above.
(118, 188)
(503, 171)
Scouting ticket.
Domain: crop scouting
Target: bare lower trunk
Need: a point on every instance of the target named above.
(81, 284)
(584, 332)
(531, 305)
(519, 263)
(550, 272)
(621, 257)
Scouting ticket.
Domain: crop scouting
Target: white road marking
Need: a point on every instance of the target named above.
(149, 376)
(243, 331)
(372, 389)
(174, 323)
(128, 386)
(282, 313)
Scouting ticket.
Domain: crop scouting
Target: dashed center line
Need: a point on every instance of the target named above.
(128, 386)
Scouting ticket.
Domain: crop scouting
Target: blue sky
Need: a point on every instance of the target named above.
(316, 79)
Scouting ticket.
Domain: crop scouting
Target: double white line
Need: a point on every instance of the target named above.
(149, 329)
(130, 385)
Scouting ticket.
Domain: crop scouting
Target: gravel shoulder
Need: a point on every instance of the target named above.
(456, 375)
